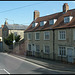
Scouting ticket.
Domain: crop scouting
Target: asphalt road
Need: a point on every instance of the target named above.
(13, 65)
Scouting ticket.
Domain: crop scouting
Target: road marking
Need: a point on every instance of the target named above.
(38, 65)
(6, 71)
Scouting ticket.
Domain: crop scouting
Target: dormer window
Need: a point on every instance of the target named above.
(42, 23)
(52, 21)
(34, 24)
(67, 19)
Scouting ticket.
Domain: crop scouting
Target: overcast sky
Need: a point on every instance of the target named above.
(21, 12)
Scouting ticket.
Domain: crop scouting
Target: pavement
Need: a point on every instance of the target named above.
(55, 65)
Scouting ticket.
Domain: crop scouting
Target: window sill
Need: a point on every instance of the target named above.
(62, 56)
(37, 39)
(46, 39)
(62, 39)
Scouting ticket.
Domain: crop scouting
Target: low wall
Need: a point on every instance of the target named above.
(18, 48)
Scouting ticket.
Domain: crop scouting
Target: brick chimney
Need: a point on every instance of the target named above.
(36, 14)
(65, 7)
(2, 26)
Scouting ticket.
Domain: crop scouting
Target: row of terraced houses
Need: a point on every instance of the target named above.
(52, 36)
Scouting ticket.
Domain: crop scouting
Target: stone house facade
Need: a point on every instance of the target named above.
(52, 36)
(12, 28)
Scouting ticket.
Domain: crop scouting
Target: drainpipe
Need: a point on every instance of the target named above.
(53, 45)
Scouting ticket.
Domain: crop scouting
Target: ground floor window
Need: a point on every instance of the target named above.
(29, 47)
(62, 51)
(46, 49)
(37, 48)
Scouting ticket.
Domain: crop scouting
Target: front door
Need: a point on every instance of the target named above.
(33, 49)
(69, 53)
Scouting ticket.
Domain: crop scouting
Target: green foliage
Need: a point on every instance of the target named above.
(9, 40)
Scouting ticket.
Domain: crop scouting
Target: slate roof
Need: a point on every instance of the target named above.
(16, 26)
(59, 23)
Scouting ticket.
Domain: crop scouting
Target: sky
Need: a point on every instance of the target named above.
(21, 12)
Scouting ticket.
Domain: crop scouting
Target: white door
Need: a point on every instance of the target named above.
(69, 53)
(33, 49)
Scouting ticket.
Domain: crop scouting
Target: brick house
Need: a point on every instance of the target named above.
(52, 36)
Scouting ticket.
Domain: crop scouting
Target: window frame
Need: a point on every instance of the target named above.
(61, 35)
(62, 51)
(36, 48)
(41, 22)
(44, 35)
(28, 47)
(67, 17)
(45, 50)
(36, 37)
(28, 36)
(51, 22)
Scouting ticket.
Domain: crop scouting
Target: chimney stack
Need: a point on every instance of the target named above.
(36, 14)
(65, 7)
(2, 26)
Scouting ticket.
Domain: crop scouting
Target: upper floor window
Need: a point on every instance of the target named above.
(67, 19)
(37, 36)
(51, 22)
(29, 36)
(62, 35)
(62, 51)
(34, 24)
(46, 35)
(42, 23)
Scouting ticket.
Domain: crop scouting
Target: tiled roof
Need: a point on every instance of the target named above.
(16, 26)
(59, 23)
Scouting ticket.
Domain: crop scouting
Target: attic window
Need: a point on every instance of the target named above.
(52, 21)
(34, 24)
(42, 23)
(67, 19)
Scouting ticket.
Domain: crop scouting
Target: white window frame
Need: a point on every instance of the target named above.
(69, 19)
(28, 36)
(66, 19)
(41, 23)
(52, 21)
(44, 22)
(44, 35)
(39, 48)
(63, 51)
(35, 35)
(59, 34)
(44, 49)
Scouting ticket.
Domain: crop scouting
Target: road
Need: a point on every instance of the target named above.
(13, 65)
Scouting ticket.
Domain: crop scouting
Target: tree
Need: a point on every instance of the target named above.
(9, 40)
